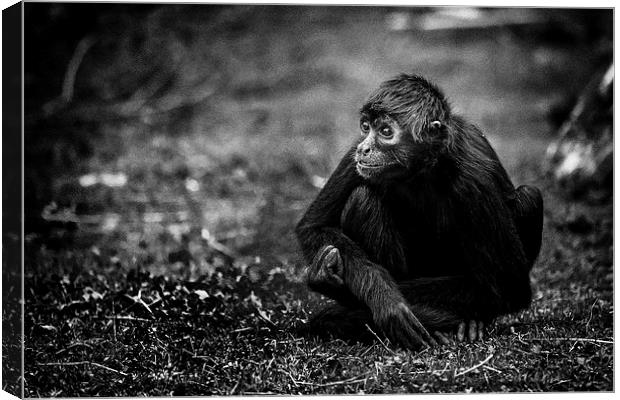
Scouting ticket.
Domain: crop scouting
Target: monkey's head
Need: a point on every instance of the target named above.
(404, 126)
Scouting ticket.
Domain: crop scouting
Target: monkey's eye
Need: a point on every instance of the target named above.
(386, 132)
(365, 126)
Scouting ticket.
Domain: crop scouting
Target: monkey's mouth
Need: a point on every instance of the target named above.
(362, 164)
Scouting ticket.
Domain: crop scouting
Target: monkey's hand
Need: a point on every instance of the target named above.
(402, 327)
(326, 271)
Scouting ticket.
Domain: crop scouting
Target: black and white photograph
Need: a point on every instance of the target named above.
(252, 199)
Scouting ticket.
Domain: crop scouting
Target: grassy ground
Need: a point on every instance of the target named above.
(183, 279)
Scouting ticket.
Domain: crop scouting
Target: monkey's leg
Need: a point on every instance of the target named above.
(438, 303)
(326, 276)
(450, 304)
(528, 212)
(350, 319)
(346, 323)
(447, 326)
(447, 308)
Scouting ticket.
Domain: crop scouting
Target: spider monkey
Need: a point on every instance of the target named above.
(419, 229)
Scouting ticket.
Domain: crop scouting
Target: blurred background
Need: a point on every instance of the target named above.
(147, 122)
(171, 149)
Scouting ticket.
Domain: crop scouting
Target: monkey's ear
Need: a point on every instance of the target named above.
(436, 124)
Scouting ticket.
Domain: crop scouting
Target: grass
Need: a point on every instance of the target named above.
(186, 281)
(99, 328)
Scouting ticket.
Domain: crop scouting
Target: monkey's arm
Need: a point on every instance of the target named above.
(320, 231)
(320, 225)
(357, 279)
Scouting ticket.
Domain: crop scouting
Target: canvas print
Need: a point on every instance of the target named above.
(281, 200)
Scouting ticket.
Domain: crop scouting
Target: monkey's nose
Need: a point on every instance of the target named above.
(363, 150)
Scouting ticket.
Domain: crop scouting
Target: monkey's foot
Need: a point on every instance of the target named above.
(327, 268)
(471, 331)
(445, 338)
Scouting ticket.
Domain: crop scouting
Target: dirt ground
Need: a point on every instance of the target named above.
(167, 263)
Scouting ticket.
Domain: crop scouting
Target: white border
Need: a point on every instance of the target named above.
(484, 3)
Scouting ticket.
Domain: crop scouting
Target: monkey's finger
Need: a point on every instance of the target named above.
(333, 266)
(442, 338)
(400, 332)
(431, 340)
(418, 326)
(415, 341)
(424, 333)
(406, 337)
(409, 337)
(332, 256)
(323, 253)
(336, 280)
(453, 338)
(480, 331)
(472, 330)
(318, 273)
(314, 270)
(460, 335)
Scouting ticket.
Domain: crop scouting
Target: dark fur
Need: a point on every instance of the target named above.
(450, 236)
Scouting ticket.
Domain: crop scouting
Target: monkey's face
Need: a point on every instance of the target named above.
(384, 150)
